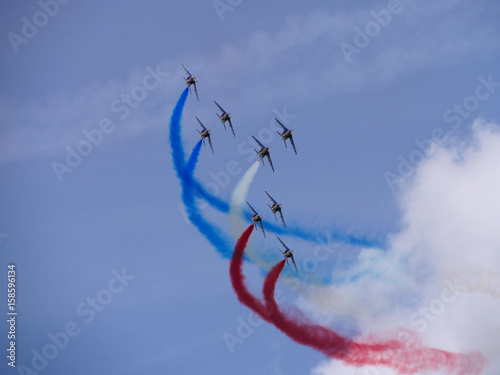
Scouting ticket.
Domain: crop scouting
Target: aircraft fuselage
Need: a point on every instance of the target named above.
(264, 151)
(276, 207)
(256, 218)
(286, 134)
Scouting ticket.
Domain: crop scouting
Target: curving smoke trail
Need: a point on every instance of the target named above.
(216, 237)
(238, 279)
(175, 134)
(217, 203)
(402, 350)
(236, 215)
(185, 173)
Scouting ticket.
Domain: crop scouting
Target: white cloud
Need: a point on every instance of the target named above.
(451, 212)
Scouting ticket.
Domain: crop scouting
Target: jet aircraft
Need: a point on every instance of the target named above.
(286, 134)
(256, 218)
(205, 134)
(263, 152)
(225, 117)
(276, 207)
(191, 81)
(287, 254)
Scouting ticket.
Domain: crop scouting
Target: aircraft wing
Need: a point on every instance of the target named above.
(211, 147)
(293, 261)
(270, 162)
(256, 140)
(255, 212)
(187, 71)
(286, 247)
(293, 144)
(196, 91)
(217, 104)
(262, 227)
(231, 126)
(201, 123)
(271, 197)
(281, 214)
(281, 124)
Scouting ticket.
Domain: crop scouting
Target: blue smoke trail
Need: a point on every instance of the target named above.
(218, 239)
(192, 161)
(292, 230)
(175, 134)
(214, 201)
(185, 171)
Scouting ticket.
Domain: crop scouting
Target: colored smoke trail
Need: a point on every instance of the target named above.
(401, 350)
(484, 280)
(217, 238)
(238, 279)
(217, 203)
(315, 336)
(185, 173)
(191, 163)
(175, 134)
(238, 198)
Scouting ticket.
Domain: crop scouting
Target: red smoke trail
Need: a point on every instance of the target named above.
(238, 280)
(401, 350)
(313, 335)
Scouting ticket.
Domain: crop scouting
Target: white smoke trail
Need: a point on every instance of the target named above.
(484, 280)
(237, 224)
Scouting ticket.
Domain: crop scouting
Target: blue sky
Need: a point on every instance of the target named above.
(120, 206)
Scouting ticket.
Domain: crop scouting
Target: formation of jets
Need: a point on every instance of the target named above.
(263, 152)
